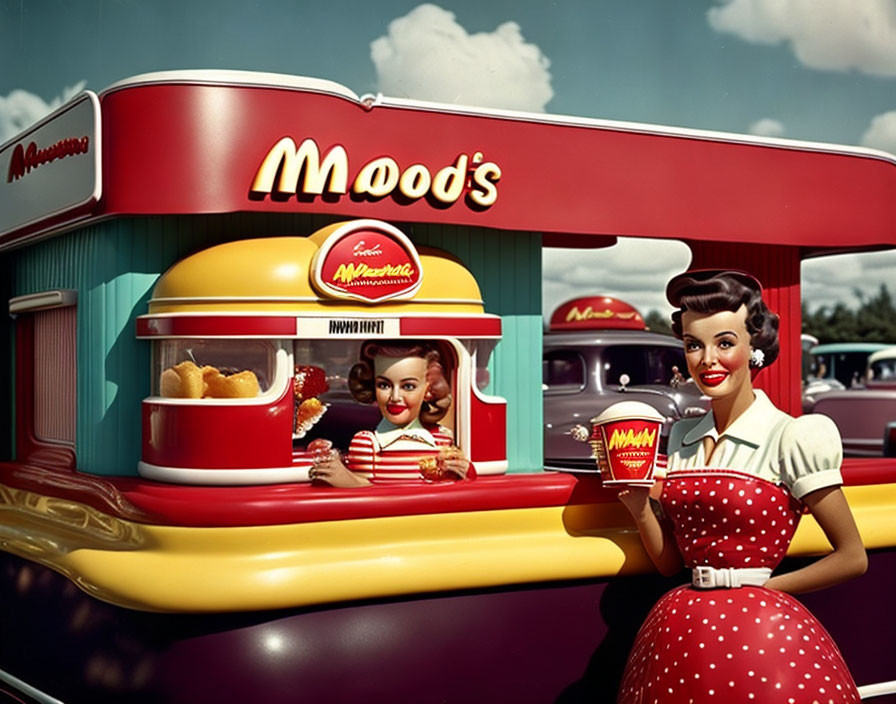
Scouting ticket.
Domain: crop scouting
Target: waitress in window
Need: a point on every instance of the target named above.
(408, 383)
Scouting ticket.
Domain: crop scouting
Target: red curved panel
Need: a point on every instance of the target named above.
(170, 504)
(158, 159)
(216, 326)
(207, 435)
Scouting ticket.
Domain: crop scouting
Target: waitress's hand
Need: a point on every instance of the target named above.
(328, 468)
(449, 465)
(456, 467)
(636, 499)
(453, 463)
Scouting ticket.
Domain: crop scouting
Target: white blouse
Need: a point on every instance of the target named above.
(802, 453)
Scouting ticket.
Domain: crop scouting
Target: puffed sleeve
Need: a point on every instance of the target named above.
(811, 454)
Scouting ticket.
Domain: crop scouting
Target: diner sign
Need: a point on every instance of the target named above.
(596, 313)
(289, 170)
(367, 260)
(53, 168)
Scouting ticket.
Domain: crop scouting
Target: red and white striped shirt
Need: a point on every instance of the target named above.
(399, 460)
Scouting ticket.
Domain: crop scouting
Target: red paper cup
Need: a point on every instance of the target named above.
(626, 438)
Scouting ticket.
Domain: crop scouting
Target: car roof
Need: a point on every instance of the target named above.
(593, 338)
(886, 353)
(838, 347)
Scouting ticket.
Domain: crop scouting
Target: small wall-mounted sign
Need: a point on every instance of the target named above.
(53, 168)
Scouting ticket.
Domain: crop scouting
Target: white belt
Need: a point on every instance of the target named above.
(705, 577)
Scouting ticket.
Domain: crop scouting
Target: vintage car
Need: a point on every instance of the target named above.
(844, 362)
(882, 369)
(600, 359)
(865, 413)
(833, 366)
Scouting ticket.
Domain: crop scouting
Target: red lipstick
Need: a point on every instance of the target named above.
(713, 378)
(396, 408)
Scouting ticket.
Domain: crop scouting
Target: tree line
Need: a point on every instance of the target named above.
(873, 320)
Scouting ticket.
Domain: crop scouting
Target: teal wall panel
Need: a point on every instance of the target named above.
(113, 266)
(507, 266)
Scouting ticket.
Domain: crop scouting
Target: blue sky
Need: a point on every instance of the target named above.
(820, 70)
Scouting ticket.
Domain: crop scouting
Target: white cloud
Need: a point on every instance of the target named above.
(427, 55)
(882, 133)
(767, 127)
(827, 281)
(21, 109)
(635, 270)
(833, 35)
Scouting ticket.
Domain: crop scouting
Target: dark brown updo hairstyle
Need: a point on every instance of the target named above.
(714, 290)
(361, 376)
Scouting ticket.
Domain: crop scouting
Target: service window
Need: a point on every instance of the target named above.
(212, 369)
(325, 405)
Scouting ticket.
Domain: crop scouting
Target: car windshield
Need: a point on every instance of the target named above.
(883, 370)
(643, 364)
(563, 370)
(846, 367)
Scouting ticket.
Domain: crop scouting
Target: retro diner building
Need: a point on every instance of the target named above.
(182, 210)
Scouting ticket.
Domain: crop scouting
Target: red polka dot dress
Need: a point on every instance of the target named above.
(747, 643)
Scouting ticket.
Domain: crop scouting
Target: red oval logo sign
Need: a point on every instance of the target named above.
(596, 313)
(367, 260)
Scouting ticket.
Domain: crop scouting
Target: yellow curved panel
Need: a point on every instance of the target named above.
(270, 266)
(156, 568)
(872, 506)
(271, 274)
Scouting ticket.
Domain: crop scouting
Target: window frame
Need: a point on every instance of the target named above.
(567, 388)
(30, 448)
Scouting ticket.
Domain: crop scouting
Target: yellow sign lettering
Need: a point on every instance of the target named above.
(346, 273)
(290, 161)
(623, 439)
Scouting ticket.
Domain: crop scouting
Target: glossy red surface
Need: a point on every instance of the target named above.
(210, 435)
(181, 148)
(288, 326)
(488, 430)
(453, 327)
(172, 504)
(216, 326)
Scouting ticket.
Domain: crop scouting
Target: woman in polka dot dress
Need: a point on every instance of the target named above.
(737, 481)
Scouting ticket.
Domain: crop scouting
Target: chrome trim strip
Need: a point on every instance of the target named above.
(878, 689)
(27, 689)
(43, 300)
